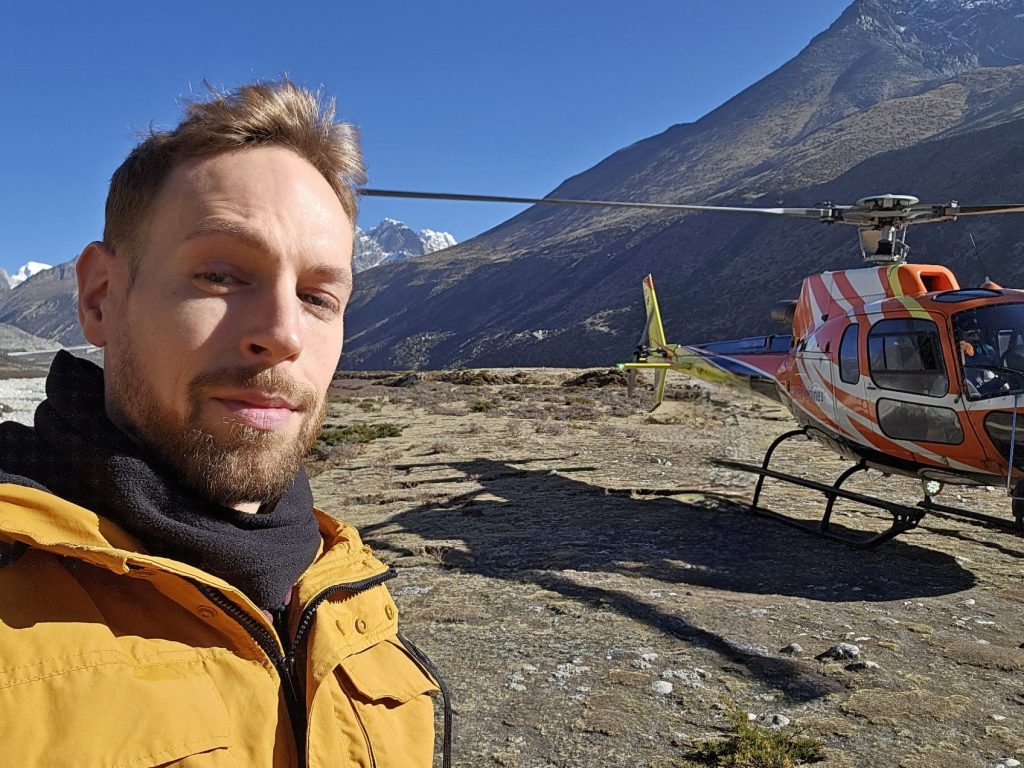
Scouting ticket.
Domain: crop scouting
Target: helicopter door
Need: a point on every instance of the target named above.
(908, 388)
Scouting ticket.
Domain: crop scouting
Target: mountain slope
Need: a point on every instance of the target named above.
(910, 96)
(45, 305)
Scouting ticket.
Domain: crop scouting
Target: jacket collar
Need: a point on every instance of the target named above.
(49, 523)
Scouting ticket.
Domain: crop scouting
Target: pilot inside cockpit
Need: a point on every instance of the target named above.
(988, 372)
(978, 348)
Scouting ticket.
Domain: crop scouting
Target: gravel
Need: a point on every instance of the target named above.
(22, 396)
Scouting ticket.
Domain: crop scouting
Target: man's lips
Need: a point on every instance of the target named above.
(258, 410)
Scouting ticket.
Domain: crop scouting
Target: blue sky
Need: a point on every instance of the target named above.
(487, 96)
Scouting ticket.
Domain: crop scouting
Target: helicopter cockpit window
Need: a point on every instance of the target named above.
(849, 362)
(990, 344)
(905, 355)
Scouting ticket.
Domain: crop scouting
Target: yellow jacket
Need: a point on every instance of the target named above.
(110, 657)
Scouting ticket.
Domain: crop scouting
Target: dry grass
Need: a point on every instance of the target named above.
(752, 746)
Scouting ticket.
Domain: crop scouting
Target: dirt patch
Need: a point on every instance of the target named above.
(884, 707)
(596, 592)
(986, 655)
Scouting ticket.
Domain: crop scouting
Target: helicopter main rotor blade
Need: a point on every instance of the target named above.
(982, 210)
(814, 213)
(930, 214)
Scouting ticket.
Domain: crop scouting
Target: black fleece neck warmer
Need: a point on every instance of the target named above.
(77, 453)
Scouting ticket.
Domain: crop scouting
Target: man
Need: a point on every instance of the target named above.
(976, 349)
(168, 593)
(983, 369)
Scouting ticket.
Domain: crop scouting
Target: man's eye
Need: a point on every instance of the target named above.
(321, 301)
(220, 279)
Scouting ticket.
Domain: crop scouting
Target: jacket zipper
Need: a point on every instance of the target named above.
(427, 666)
(271, 645)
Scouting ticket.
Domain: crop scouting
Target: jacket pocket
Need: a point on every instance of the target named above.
(111, 714)
(391, 703)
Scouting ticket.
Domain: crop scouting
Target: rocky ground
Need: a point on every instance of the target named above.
(595, 591)
(20, 396)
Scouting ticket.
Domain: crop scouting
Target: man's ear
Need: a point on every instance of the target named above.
(94, 270)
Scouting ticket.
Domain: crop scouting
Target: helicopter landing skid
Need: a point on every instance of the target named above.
(1015, 526)
(904, 518)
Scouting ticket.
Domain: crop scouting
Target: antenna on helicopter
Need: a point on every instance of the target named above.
(881, 220)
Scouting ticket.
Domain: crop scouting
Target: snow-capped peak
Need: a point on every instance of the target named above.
(436, 241)
(25, 272)
(391, 241)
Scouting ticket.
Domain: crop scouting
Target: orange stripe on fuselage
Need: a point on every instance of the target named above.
(852, 402)
(847, 291)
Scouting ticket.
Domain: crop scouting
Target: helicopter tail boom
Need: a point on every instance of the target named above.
(750, 363)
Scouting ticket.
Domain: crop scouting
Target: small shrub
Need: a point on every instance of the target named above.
(446, 409)
(596, 379)
(368, 406)
(385, 464)
(514, 428)
(755, 747)
(579, 400)
(551, 428)
(579, 413)
(625, 409)
(472, 429)
(442, 446)
(323, 456)
(439, 553)
(470, 377)
(347, 452)
(359, 433)
(426, 396)
(482, 406)
(530, 411)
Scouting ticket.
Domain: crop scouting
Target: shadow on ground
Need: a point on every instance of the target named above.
(538, 527)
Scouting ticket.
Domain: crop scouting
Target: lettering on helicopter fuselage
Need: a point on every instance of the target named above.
(814, 394)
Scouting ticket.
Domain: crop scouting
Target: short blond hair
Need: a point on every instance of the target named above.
(278, 113)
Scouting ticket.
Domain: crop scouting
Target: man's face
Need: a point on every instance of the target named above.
(220, 352)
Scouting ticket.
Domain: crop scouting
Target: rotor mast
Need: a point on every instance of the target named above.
(882, 227)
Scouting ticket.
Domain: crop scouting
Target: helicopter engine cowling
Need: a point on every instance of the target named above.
(783, 312)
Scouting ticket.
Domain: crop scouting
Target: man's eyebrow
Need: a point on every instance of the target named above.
(233, 229)
(331, 274)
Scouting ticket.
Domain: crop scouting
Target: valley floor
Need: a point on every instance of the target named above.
(595, 592)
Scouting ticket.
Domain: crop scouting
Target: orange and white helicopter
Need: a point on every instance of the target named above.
(893, 366)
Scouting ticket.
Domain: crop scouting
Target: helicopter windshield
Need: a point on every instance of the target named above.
(990, 343)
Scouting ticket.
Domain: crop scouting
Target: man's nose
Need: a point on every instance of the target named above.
(274, 330)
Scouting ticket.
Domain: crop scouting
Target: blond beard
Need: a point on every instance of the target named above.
(248, 465)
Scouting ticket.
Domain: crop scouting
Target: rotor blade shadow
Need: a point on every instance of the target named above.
(798, 680)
